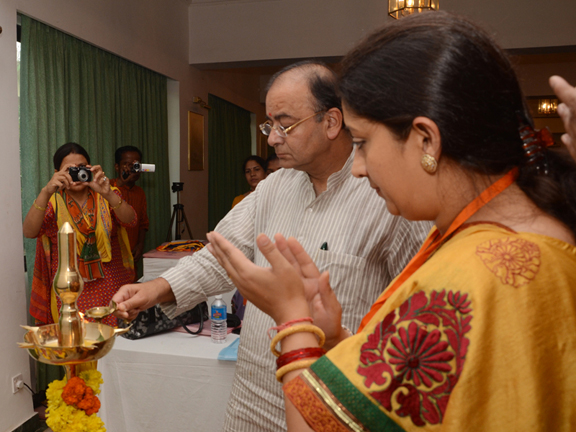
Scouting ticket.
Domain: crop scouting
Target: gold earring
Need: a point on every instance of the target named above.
(429, 164)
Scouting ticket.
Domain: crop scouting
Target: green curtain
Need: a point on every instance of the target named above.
(73, 91)
(229, 143)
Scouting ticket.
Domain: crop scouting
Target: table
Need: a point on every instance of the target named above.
(171, 382)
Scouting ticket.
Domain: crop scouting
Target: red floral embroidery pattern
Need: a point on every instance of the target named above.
(419, 348)
(515, 261)
(420, 356)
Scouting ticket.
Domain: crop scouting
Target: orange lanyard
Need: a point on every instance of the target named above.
(435, 240)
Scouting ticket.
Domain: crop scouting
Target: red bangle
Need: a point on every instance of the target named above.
(289, 324)
(299, 354)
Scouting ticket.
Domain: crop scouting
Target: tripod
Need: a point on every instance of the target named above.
(178, 214)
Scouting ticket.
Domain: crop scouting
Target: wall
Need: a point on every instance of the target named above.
(238, 88)
(535, 70)
(522, 24)
(14, 408)
(264, 30)
(148, 32)
(233, 87)
(270, 29)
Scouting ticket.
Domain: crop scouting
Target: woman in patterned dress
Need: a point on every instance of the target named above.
(478, 332)
(98, 215)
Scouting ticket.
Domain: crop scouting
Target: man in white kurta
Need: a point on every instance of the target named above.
(314, 199)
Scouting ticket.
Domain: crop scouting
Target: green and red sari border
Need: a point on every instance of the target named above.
(352, 399)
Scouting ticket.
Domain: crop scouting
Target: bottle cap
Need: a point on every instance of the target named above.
(219, 297)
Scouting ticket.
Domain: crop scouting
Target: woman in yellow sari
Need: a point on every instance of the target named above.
(98, 215)
(478, 333)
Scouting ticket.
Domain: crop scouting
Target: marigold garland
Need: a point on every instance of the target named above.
(72, 406)
(77, 393)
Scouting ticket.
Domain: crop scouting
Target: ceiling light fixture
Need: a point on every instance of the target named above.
(547, 106)
(400, 8)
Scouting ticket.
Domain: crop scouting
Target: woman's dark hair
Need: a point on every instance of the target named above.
(256, 159)
(67, 149)
(444, 67)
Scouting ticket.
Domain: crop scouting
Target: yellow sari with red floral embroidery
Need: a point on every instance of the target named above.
(482, 337)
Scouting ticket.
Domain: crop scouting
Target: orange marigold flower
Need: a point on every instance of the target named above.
(78, 394)
(73, 391)
(90, 403)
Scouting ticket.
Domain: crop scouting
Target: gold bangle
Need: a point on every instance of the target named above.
(116, 206)
(300, 364)
(37, 207)
(297, 329)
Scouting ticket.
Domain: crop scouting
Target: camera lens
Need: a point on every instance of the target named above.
(83, 175)
(136, 167)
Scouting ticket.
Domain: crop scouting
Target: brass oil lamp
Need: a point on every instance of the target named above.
(72, 340)
(68, 285)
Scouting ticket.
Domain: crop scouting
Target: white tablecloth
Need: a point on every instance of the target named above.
(170, 382)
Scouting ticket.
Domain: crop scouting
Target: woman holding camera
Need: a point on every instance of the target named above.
(80, 194)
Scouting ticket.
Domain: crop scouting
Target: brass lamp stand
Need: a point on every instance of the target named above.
(72, 341)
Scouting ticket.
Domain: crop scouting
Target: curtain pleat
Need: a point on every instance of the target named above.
(73, 91)
(229, 143)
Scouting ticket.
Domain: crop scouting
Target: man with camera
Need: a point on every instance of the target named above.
(339, 219)
(128, 167)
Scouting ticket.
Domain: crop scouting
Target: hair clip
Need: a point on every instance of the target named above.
(535, 145)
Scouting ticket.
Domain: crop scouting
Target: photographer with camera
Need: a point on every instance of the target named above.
(80, 194)
(128, 167)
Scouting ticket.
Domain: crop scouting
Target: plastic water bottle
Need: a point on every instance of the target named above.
(218, 320)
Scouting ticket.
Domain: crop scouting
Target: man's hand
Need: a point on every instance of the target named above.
(129, 177)
(135, 298)
(324, 306)
(292, 288)
(277, 291)
(566, 110)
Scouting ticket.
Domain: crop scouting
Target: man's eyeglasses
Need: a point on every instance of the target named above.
(266, 128)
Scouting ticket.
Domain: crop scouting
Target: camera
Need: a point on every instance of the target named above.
(80, 174)
(177, 187)
(142, 167)
(138, 167)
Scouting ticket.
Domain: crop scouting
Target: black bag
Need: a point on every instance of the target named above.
(153, 321)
